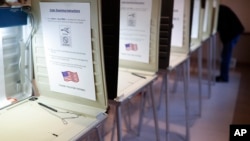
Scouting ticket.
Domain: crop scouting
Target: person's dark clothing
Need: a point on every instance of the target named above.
(229, 28)
(229, 25)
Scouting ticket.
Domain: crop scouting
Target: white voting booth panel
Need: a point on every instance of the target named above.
(207, 19)
(138, 49)
(53, 114)
(196, 27)
(180, 32)
(180, 43)
(139, 23)
(216, 5)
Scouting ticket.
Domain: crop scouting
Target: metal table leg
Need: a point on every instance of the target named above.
(214, 57)
(163, 87)
(118, 122)
(186, 79)
(99, 134)
(167, 105)
(209, 69)
(154, 113)
(141, 113)
(200, 78)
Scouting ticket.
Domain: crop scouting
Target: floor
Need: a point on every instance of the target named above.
(229, 104)
(242, 108)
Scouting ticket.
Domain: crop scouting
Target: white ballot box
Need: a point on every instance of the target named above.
(52, 66)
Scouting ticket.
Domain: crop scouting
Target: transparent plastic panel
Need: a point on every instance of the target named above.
(16, 69)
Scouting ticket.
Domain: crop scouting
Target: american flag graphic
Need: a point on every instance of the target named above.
(70, 76)
(130, 46)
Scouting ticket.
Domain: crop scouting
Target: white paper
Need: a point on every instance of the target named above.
(135, 20)
(178, 23)
(67, 40)
(205, 24)
(196, 19)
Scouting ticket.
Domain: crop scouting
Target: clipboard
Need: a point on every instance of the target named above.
(37, 111)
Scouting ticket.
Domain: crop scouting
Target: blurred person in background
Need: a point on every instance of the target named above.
(229, 28)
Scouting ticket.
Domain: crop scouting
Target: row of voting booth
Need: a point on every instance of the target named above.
(64, 62)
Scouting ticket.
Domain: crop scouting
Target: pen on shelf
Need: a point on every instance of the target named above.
(54, 134)
(138, 75)
(46, 106)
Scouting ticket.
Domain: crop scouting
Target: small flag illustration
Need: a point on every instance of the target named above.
(130, 46)
(70, 76)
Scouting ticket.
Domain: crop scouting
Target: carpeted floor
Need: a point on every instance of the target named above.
(213, 125)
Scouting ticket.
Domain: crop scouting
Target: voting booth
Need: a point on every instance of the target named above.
(208, 28)
(175, 32)
(207, 19)
(216, 5)
(178, 42)
(136, 49)
(197, 22)
(138, 44)
(180, 36)
(196, 44)
(62, 41)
